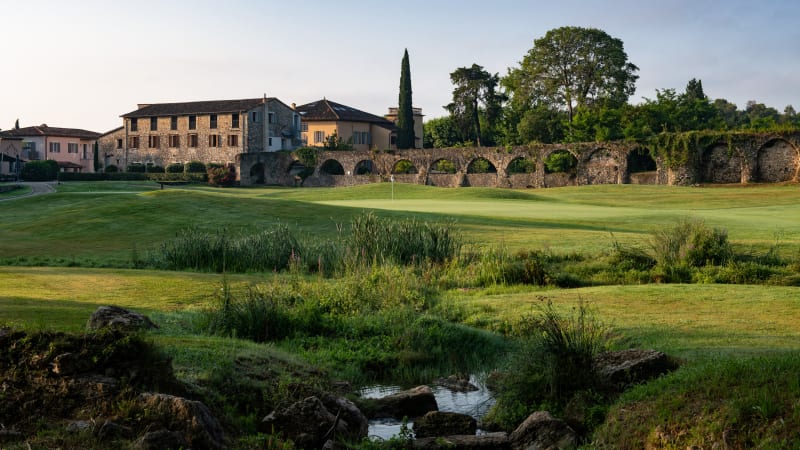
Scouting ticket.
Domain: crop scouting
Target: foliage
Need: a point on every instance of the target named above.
(111, 168)
(39, 170)
(195, 167)
(222, 176)
(553, 365)
(307, 155)
(481, 165)
(560, 161)
(522, 165)
(404, 166)
(405, 113)
(444, 166)
(690, 243)
(174, 168)
(334, 142)
(477, 106)
(441, 132)
(135, 168)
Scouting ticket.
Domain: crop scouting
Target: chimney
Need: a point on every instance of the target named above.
(142, 105)
(294, 106)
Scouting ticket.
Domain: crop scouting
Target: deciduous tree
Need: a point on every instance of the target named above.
(476, 106)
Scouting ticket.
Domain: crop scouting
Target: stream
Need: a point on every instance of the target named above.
(473, 403)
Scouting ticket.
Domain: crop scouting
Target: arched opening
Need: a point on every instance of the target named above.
(560, 161)
(721, 165)
(443, 166)
(602, 167)
(257, 173)
(777, 162)
(640, 160)
(298, 169)
(365, 167)
(331, 167)
(481, 165)
(521, 165)
(404, 167)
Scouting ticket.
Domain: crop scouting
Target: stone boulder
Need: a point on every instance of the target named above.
(192, 419)
(437, 423)
(541, 431)
(161, 440)
(456, 383)
(487, 441)
(310, 423)
(118, 318)
(620, 369)
(411, 403)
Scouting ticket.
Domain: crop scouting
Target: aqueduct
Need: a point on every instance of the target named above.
(723, 158)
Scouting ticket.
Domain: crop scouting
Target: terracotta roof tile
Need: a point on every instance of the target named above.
(44, 130)
(326, 110)
(201, 107)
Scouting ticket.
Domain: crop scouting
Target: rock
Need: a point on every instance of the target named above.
(618, 370)
(465, 442)
(191, 418)
(456, 383)
(542, 431)
(307, 422)
(119, 319)
(78, 426)
(437, 423)
(161, 440)
(411, 403)
(111, 430)
(355, 421)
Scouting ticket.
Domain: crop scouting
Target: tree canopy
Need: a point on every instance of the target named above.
(476, 105)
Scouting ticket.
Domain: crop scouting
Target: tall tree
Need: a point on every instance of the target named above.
(405, 113)
(476, 106)
(570, 68)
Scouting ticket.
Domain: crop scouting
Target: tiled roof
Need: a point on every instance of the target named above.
(6, 135)
(111, 131)
(44, 130)
(326, 110)
(202, 107)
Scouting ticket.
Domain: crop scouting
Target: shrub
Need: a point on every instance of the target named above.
(479, 165)
(195, 167)
(111, 168)
(153, 168)
(522, 165)
(691, 243)
(222, 176)
(404, 167)
(560, 162)
(445, 166)
(175, 168)
(40, 170)
(135, 168)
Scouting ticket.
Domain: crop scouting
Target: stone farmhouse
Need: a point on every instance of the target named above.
(73, 149)
(10, 155)
(207, 131)
(361, 130)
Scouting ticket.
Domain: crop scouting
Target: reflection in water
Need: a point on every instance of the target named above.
(474, 403)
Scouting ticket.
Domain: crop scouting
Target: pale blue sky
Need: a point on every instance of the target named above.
(83, 63)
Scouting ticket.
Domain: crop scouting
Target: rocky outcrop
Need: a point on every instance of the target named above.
(489, 441)
(190, 418)
(310, 423)
(119, 319)
(457, 383)
(541, 431)
(436, 423)
(411, 403)
(620, 369)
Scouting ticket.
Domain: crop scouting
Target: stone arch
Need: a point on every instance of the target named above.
(777, 161)
(364, 167)
(257, 173)
(721, 164)
(404, 167)
(481, 165)
(331, 167)
(521, 164)
(555, 153)
(443, 166)
(642, 168)
(601, 167)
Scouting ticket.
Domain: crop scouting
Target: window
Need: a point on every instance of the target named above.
(213, 140)
(173, 123)
(235, 120)
(153, 123)
(356, 137)
(304, 126)
(212, 121)
(174, 140)
(366, 138)
(134, 124)
(55, 147)
(153, 141)
(270, 117)
(319, 137)
(72, 148)
(269, 143)
(133, 142)
(192, 140)
(254, 116)
(192, 122)
(119, 143)
(233, 140)
(85, 151)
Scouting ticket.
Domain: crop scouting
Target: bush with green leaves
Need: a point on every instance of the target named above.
(444, 166)
(135, 168)
(690, 243)
(175, 168)
(522, 165)
(560, 161)
(40, 170)
(195, 167)
(222, 176)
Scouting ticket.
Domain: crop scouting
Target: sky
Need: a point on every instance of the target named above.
(84, 63)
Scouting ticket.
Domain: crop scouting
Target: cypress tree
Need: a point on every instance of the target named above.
(405, 115)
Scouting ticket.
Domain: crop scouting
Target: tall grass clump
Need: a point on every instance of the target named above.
(690, 243)
(553, 365)
(407, 241)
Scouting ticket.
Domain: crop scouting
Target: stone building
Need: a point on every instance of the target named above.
(207, 131)
(417, 115)
(362, 130)
(72, 148)
(10, 156)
